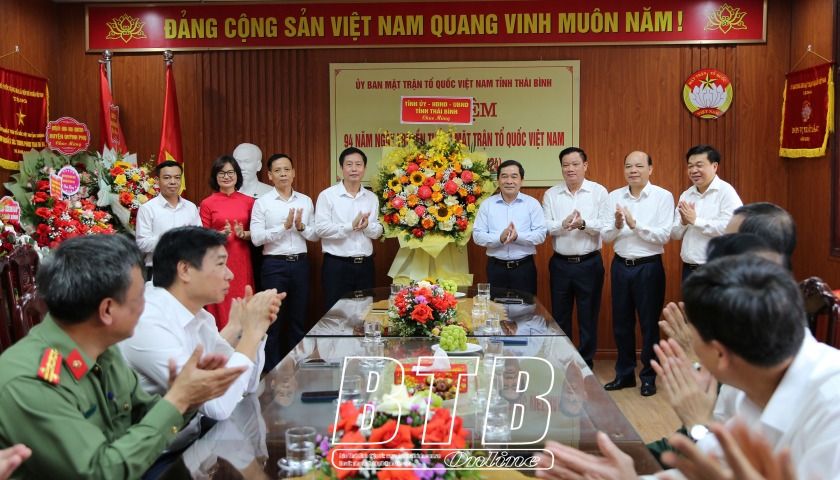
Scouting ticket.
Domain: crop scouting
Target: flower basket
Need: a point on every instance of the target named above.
(421, 307)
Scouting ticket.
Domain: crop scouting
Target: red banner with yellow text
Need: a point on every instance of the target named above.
(417, 24)
(807, 112)
(24, 112)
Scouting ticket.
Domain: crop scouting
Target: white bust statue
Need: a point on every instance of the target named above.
(249, 158)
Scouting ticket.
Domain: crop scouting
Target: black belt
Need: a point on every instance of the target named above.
(350, 259)
(512, 263)
(288, 258)
(639, 261)
(691, 266)
(578, 258)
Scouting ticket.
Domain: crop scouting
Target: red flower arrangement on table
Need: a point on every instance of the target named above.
(407, 455)
(12, 235)
(421, 307)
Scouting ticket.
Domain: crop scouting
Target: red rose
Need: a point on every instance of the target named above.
(451, 187)
(452, 175)
(391, 194)
(54, 245)
(397, 473)
(398, 202)
(99, 215)
(420, 210)
(424, 192)
(470, 199)
(467, 176)
(440, 304)
(42, 185)
(418, 232)
(116, 171)
(429, 181)
(450, 299)
(386, 218)
(348, 457)
(80, 167)
(421, 313)
(43, 229)
(43, 213)
(412, 167)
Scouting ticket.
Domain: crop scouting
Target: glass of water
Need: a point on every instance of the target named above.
(492, 349)
(351, 388)
(478, 320)
(493, 324)
(300, 450)
(375, 349)
(373, 331)
(395, 290)
(484, 290)
(497, 428)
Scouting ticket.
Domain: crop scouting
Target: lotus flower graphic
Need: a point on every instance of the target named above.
(125, 28)
(708, 95)
(726, 18)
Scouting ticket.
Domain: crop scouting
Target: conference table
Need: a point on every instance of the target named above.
(562, 401)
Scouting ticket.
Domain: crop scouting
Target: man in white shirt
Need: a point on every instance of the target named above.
(511, 225)
(347, 219)
(164, 212)
(573, 218)
(282, 220)
(191, 273)
(638, 218)
(704, 210)
(750, 331)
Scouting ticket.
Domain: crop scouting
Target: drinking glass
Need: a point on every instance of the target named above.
(374, 349)
(481, 388)
(497, 428)
(493, 324)
(493, 348)
(373, 331)
(484, 290)
(300, 450)
(478, 320)
(395, 289)
(351, 388)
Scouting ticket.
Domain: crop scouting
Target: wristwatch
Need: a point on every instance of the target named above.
(583, 225)
(302, 229)
(698, 432)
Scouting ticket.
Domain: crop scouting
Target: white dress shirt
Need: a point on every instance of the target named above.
(803, 413)
(653, 213)
(166, 329)
(157, 216)
(268, 219)
(494, 216)
(714, 210)
(558, 203)
(334, 214)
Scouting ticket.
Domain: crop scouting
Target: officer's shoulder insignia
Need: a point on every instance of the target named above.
(76, 364)
(50, 369)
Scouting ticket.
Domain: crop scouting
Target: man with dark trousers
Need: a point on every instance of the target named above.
(347, 219)
(573, 218)
(282, 221)
(511, 225)
(640, 226)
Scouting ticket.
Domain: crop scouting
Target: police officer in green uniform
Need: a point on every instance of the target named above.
(65, 390)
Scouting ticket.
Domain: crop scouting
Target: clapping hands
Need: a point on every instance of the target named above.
(509, 234)
(687, 213)
(361, 221)
(573, 221)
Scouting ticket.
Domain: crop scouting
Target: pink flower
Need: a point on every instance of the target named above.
(398, 202)
(467, 176)
(451, 187)
(424, 192)
(420, 210)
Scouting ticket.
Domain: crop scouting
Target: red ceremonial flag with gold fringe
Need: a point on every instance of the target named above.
(24, 113)
(807, 111)
(110, 131)
(170, 135)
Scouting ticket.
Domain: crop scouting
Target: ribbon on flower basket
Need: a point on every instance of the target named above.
(429, 195)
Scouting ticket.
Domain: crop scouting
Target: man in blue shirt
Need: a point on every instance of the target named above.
(510, 225)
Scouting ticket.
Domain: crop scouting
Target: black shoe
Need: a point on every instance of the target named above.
(619, 384)
(648, 389)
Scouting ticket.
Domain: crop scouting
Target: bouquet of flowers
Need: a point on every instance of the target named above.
(126, 186)
(431, 188)
(54, 220)
(407, 455)
(12, 235)
(421, 307)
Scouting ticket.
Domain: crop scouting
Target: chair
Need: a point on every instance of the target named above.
(27, 307)
(6, 299)
(821, 302)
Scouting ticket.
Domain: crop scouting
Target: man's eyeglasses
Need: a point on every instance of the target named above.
(229, 174)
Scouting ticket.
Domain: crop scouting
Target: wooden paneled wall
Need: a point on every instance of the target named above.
(631, 99)
(813, 22)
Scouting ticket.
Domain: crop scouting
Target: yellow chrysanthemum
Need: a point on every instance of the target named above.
(477, 190)
(471, 207)
(443, 213)
(437, 196)
(385, 194)
(432, 210)
(398, 189)
(424, 164)
(436, 187)
(403, 211)
(120, 180)
(417, 178)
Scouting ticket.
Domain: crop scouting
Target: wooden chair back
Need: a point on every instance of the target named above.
(7, 299)
(27, 306)
(823, 310)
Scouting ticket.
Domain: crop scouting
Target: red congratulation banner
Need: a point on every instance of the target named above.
(68, 136)
(24, 112)
(807, 112)
(434, 110)
(399, 24)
